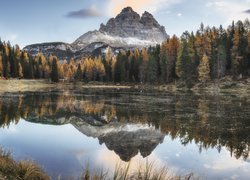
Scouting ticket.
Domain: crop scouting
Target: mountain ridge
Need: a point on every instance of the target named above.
(128, 30)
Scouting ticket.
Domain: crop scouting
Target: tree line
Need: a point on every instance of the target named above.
(209, 53)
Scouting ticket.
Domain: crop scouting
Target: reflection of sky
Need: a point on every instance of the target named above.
(64, 150)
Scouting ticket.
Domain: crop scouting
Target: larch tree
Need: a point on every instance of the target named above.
(173, 55)
(20, 71)
(5, 61)
(204, 69)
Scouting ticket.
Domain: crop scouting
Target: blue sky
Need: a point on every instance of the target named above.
(25, 22)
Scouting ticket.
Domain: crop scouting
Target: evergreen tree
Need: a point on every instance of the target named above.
(229, 46)
(108, 64)
(183, 60)
(143, 65)
(54, 71)
(220, 64)
(1, 65)
(119, 68)
(79, 74)
(238, 52)
(248, 52)
(152, 70)
(164, 62)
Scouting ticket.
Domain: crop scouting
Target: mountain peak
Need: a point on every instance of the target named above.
(127, 30)
(128, 23)
(146, 13)
(127, 9)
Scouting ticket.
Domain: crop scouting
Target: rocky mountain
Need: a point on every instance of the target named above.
(127, 30)
(125, 139)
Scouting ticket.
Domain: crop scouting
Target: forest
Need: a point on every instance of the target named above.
(201, 56)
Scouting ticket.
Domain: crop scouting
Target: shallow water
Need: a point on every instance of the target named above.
(64, 131)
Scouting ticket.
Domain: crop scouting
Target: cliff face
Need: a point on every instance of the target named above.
(129, 24)
(127, 30)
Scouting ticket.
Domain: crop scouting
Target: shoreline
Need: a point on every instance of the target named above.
(224, 85)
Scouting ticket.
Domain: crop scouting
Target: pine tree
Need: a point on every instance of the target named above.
(152, 70)
(229, 46)
(143, 65)
(248, 52)
(183, 62)
(119, 67)
(218, 60)
(54, 71)
(204, 69)
(108, 64)
(238, 52)
(78, 75)
(164, 61)
(220, 66)
(1, 65)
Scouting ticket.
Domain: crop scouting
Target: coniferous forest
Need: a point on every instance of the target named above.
(201, 56)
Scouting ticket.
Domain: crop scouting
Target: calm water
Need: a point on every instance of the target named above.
(64, 131)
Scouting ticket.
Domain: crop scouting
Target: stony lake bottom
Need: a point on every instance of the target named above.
(65, 131)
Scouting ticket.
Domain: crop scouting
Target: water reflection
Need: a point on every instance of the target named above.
(129, 123)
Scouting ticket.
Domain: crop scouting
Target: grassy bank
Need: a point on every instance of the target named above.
(15, 85)
(147, 171)
(26, 170)
(224, 85)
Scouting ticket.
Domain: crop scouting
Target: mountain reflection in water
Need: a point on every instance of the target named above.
(131, 122)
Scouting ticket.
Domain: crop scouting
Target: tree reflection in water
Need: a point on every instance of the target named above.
(209, 121)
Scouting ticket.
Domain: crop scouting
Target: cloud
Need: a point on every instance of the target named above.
(218, 4)
(247, 11)
(179, 14)
(230, 9)
(140, 5)
(84, 13)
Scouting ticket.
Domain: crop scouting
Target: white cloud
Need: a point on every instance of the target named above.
(179, 14)
(217, 4)
(230, 10)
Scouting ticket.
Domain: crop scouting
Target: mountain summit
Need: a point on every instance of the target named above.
(127, 30)
(129, 24)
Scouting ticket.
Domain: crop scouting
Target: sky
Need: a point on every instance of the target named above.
(27, 22)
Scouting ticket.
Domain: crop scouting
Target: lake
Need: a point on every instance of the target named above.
(65, 131)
